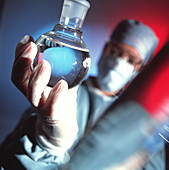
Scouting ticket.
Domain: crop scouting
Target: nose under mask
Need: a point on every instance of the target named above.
(116, 77)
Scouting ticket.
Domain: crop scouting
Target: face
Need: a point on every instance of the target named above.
(118, 66)
(126, 52)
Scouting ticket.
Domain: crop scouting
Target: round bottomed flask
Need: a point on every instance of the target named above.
(64, 48)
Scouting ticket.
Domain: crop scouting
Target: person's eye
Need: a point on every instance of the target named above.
(131, 61)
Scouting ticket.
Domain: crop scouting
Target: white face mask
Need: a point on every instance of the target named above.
(114, 73)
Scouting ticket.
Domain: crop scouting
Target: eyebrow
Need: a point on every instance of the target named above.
(127, 51)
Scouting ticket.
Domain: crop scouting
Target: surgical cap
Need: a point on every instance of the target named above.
(138, 35)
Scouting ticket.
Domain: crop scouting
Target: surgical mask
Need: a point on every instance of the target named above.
(114, 73)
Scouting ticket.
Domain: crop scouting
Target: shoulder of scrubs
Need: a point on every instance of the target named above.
(115, 138)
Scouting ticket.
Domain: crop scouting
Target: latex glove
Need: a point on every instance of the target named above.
(56, 107)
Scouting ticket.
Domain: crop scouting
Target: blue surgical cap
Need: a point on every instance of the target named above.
(138, 35)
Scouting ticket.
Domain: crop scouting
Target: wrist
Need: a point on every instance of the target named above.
(50, 138)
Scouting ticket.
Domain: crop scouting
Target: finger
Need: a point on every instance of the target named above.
(59, 107)
(55, 103)
(38, 82)
(21, 70)
(22, 43)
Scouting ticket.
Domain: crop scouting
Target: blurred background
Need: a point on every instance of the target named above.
(21, 17)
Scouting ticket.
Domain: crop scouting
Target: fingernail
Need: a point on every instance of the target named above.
(26, 52)
(25, 39)
(30, 51)
(61, 86)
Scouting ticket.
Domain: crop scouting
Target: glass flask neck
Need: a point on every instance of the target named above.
(68, 31)
(73, 13)
(74, 23)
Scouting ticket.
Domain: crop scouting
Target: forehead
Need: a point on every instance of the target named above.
(125, 48)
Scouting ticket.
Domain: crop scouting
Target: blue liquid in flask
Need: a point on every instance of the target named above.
(69, 64)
